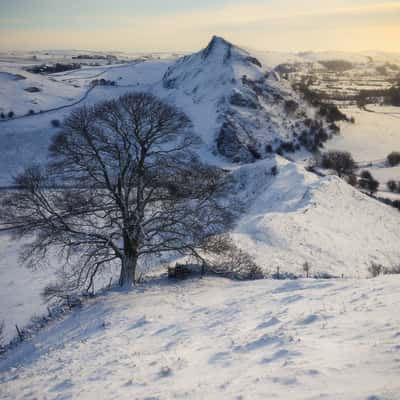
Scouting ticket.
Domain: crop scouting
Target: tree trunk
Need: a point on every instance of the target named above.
(128, 270)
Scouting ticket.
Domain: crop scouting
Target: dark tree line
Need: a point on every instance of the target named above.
(122, 184)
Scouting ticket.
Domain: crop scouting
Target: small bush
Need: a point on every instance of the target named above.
(274, 170)
(10, 114)
(268, 148)
(367, 182)
(236, 264)
(375, 270)
(291, 106)
(2, 115)
(288, 147)
(31, 112)
(392, 271)
(55, 123)
(393, 159)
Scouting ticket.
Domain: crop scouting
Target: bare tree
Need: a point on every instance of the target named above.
(122, 184)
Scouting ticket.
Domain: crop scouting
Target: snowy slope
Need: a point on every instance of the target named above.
(254, 112)
(25, 140)
(298, 217)
(14, 96)
(20, 289)
(217, 339)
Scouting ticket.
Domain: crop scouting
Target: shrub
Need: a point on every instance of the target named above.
(306, 269)
(274, 170)
(268, 148)
(288, 147)
(375, 270)
(291, 106)
(55, 123)
(10, 114)
(31, 112)
(392, 271)
(393, 158)
(392, 186)
(340, 161)
(236, 264)
(2, 115)
(254, 152)
(368, 182)
(366, 175)
(332, 113)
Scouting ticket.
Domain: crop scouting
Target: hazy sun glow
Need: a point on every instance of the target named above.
(184, 25)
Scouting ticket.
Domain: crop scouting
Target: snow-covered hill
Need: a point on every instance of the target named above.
(297, 217)
(242, 111)
(254, 112)
(216, 339)
(22, 92)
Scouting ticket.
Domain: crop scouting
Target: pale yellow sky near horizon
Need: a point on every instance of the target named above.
(284, 25)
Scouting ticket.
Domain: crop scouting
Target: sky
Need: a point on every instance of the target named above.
(187, 25)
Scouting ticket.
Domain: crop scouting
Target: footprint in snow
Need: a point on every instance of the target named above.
(309, 320)
(256, 344)
(64, 385)
(139, 323)
(292, 299)
(273, 321)
(221, 357)
(275, 357)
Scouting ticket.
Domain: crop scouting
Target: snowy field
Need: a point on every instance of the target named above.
(375, 134)
(218, 339)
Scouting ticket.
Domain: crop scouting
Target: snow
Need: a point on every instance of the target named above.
(25, 140)
(213, 338)
(375, 134)
(14, 97)
(294, 217)
(20, 288)
(217, 339)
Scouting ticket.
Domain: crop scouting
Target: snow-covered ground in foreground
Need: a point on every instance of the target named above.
(217, 339)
